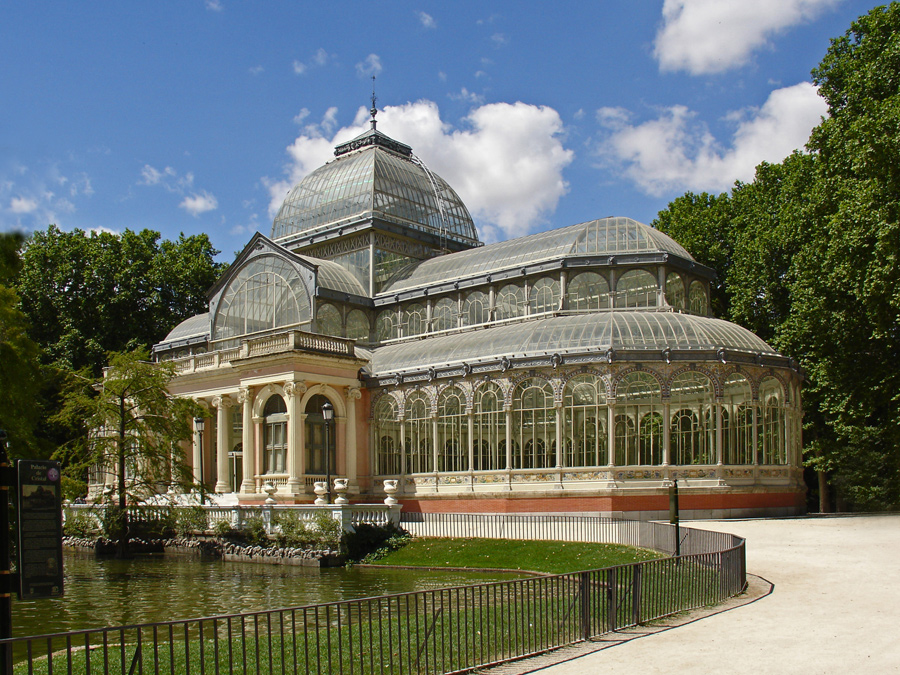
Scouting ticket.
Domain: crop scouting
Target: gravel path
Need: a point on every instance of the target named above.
(825, 598)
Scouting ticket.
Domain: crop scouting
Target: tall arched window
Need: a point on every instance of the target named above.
(315, 438)
(737, 420)
(357, 325)
(544, 295)
(275, 435)
(772, 422)
(387, 437)
(510, 302)
(636, 288)
(489, 428)
(692, 422)
(443, 315)
(534, 424)
(453, 431)
(697, 299)
(587, 291)
(675, 290)
(638, 420)
(267, 293)
(584, 405)
(476, 308)
(328, 320)
(414, 320)
(419, 440)
(386, 325)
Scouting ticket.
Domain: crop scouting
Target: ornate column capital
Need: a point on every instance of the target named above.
(354, 394)
(222, 402)
(295, 389)
(243, 394)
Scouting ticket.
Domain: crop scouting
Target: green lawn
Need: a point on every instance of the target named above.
(550, 557)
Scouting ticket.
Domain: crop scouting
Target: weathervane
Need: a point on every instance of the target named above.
(374, 110)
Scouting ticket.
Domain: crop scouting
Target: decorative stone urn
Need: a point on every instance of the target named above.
(390, 489)
(270, 490)
(321, 490)
(340, 489)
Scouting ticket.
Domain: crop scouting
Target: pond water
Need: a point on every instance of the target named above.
(107, 592)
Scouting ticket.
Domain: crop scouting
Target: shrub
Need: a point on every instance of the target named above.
(293, 532)
(223, 528)
(328, 529)
(189, 520)
(372, 542)
(253, 531)
(79, 524)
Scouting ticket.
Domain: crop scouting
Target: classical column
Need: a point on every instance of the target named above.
(248, 454)
(434, 443)
(470, 440)
(756, 433)
(352, 451)
(611, 431)
(222, 404)
(560, 436)
(509, 438)
(402, 421)
(720, 445)
(295, 441)
(196, 461)
(667, 434)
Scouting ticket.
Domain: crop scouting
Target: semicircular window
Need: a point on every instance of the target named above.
(266, 294)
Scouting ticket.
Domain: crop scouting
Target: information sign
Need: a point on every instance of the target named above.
(40, 529)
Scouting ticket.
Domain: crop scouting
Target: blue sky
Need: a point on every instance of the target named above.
(198, 115)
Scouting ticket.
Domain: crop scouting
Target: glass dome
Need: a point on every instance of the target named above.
(374, 176)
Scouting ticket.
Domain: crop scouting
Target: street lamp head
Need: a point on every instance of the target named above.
(327, 411)
(199, 424)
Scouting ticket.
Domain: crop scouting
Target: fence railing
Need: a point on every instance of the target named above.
(438, 631)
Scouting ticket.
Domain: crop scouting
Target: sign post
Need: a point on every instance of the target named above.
(40, 529)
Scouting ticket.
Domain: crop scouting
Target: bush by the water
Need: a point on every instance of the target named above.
(373, 542)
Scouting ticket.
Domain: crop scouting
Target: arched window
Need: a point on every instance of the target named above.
(675, 290)
(386, 326)
(316, 441)
(476, 309)
(490, 428)
(534, 424)
(275, 435)
(414, 320)
(419, 440)
(328, 320)
(697, 299)
(453, 431)
(737, 420)
(267, 293)
(638, 420)
(387, 437)
(692, 423)
(443, 315)
(510, 302)
(587, 291)
(544, 295)
(584, 405)
(772, 422)
(357, 325)
(636, 288)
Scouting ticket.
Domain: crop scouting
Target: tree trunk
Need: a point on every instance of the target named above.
(122, 545)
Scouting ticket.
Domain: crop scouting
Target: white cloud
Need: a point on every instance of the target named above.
(711, 36)
(369, 66)
(20, 205)
(319, 59)
(256, 70)
(214, 5)
(300, 116)
(101, 229)
(506, 161)
(675, 152)
(426, 20)
(196, 204)
(468, 97)
(299, 67)
(499, 40)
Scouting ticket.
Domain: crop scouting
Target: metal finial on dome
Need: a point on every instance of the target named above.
(374, 110)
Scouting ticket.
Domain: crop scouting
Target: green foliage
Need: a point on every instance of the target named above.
(223, 529)
(253, 531)
(328, 529)
(79, 524)
(189, 520)
(113, 522)
(373, 542)
(73, 488)
(292, 531)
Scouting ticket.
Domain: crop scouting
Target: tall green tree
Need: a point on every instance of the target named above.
(90, 293)
(132, 426)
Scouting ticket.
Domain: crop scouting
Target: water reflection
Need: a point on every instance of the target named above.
(110, 592)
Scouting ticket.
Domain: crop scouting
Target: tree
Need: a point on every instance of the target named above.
(132, 426)
(20, 372)
(91, 293)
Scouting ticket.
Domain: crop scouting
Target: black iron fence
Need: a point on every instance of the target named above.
(439, 631)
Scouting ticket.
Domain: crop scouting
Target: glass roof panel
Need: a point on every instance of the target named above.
(335, 277)
(192, 327)
(608, 236)
(574, 333)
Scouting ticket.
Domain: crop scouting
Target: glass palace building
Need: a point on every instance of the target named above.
(575, 370)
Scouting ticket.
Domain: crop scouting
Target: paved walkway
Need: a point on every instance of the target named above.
(826, 600)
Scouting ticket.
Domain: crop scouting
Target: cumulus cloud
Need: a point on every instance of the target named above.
(675, 152)
(369, 66)
(317, 60)
(506, 160)
(426, 20)
(33, 197)
(214, 5)
(20, 205)
(195, 204)
(711, 36)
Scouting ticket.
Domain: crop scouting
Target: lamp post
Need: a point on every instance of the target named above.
(328, 416)
(200, 425)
